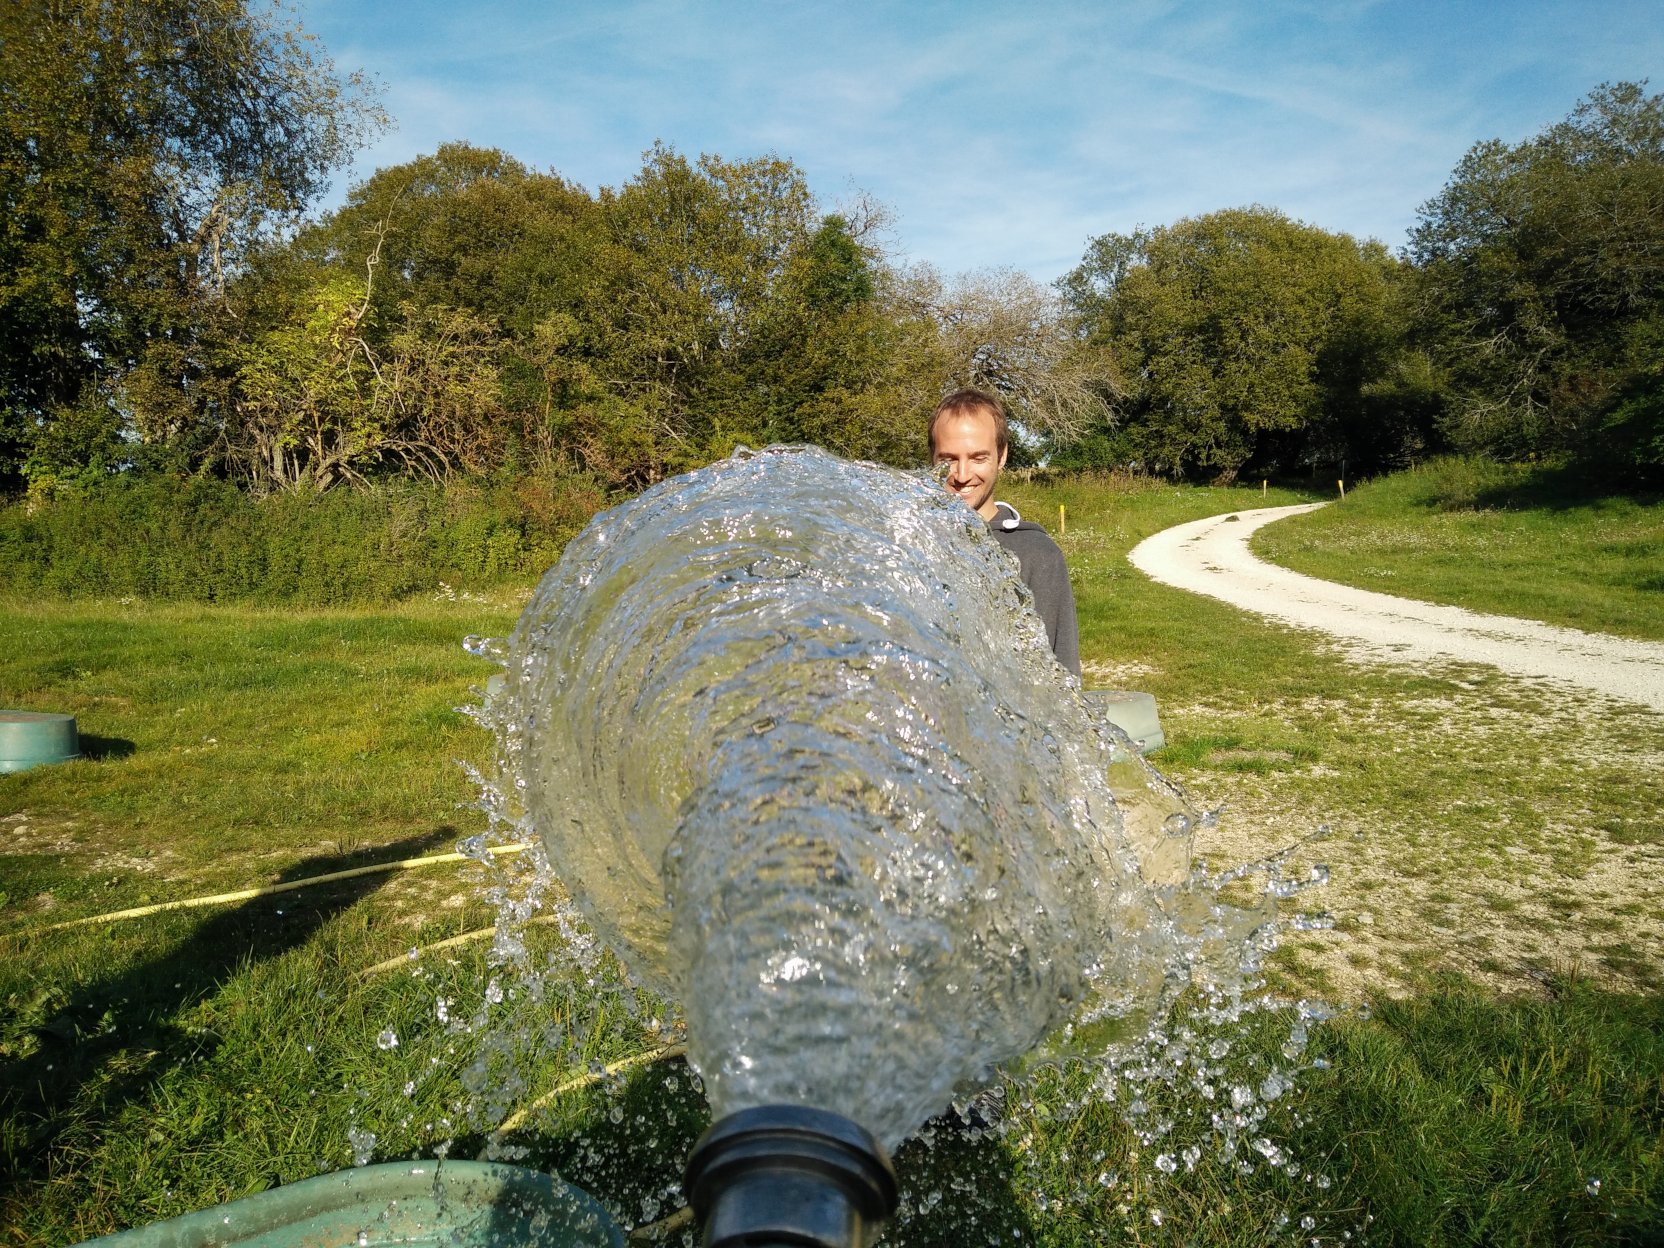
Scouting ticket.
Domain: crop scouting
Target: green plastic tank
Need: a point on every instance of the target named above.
(415, 1204)
(30, 738)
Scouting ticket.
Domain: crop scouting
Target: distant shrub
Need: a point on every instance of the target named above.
(204, 540)
(1463, 482)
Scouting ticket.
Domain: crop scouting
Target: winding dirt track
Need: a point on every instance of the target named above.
(1211, 557)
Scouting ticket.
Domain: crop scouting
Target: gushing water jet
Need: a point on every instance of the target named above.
(801, 754)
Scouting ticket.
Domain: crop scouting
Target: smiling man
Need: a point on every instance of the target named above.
(968, 434)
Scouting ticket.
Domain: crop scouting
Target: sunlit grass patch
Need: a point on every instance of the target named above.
(1507, 539)
(1233, 752)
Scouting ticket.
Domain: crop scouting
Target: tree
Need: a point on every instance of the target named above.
(828, 361)
(466, 227)
(631, 333)
(1240, 336)
(471, 232)
(1542, 273)
(1000, 330)
(145, 146)
(697, 251)
(721, 309)
(318, 403)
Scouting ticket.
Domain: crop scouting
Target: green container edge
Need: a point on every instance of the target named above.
(462, 1204)
(36, 739)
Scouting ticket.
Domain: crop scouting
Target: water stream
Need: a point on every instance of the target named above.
(800, 754)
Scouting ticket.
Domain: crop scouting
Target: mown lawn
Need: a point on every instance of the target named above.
(1510, 539)
(1497, 882)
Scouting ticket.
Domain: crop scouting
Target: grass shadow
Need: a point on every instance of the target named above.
(101, 749)
(1545, 487)
(98, 1046)
(958, 1186)
(627, 1144)
(1457, 1116)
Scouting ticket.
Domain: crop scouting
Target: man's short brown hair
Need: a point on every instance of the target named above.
(963, 403)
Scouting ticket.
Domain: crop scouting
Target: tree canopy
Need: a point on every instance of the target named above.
(165, 302)
(1241, 336)
(624, 335)
(1542, 267)
(145, 147)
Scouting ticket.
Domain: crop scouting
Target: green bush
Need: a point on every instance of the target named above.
(204, 540)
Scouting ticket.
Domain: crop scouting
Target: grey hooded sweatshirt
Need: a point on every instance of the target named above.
(1041, 567)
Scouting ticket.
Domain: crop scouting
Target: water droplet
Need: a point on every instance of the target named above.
(494, 648)
(363, 1145)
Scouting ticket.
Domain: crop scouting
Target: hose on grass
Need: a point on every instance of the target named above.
(138, 912)
(588, 1078)
(479, 933)
(661, 1054)
(653, 1232)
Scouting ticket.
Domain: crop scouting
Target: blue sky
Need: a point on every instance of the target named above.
(1004, 134)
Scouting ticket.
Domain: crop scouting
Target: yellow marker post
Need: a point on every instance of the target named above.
(1342, 486)
(1062, 524)
(1263, 484)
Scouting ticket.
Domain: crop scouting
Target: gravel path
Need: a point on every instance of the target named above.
(1211, 557)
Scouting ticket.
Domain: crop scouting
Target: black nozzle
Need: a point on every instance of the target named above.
(789, 1175)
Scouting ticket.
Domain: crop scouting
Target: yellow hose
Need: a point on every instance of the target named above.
(652, 1232)
(663, 1053)
(393, 964)
(139, 912)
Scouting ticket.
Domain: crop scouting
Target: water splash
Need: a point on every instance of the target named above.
(802, 756)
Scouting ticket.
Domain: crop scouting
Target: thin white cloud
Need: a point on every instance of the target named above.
(1001, 135)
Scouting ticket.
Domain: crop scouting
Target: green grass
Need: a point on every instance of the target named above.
(163, 1064)
(1448, 1117)
(220, 733)
(1509, 539)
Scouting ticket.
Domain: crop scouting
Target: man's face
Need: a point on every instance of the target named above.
(968, 444)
